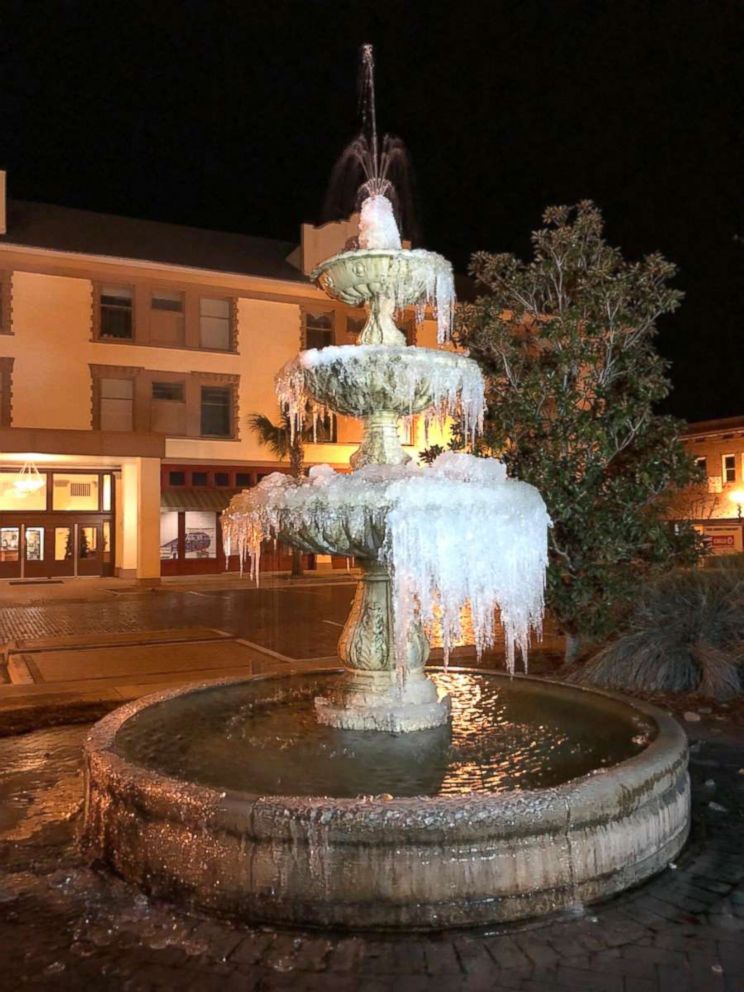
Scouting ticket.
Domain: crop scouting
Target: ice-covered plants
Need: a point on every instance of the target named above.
(686, 634)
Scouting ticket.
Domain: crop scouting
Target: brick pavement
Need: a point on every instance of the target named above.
(64, 926)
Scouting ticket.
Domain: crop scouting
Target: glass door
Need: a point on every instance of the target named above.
(10, 552)
(61, 550)
(89, 548)
(34, 552)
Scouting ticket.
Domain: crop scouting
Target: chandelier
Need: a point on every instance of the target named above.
(29, 480)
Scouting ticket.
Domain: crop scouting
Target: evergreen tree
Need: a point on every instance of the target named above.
(565, 342)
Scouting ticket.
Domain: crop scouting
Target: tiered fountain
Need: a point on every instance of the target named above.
(377, 796)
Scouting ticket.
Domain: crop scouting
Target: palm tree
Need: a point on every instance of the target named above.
(278, 439)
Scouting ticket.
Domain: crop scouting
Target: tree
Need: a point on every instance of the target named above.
(566, 345)
(280, 441)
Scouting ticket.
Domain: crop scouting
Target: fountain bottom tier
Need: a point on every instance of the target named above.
(538, 796)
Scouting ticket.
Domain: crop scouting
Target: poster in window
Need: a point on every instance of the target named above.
(200, 539)
(168, 535)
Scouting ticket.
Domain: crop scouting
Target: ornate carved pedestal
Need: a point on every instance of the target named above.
(381, 691)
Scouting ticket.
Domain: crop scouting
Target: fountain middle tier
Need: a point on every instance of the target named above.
(381, 383)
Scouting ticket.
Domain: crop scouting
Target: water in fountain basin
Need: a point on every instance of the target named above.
(264, 738)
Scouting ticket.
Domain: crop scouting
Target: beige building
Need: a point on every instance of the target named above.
(716, 507)
(131, 354)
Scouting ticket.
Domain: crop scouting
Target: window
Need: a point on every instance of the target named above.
(176, 478)
(168, 409)
(354, 326)
(116, 404)
(318, 329)
(216, 402)
(166, 318)
(12, 499)
(200, 534)
(729, 468)
(243, 479)
(222, 478)
(5, 303)
(172, 302)
(117, 307)
(168, 534)
(325, 430)
(215, 324)
(75, 491)
(702, 463)
(168, 391)
(199, 479)
(106, 503)
(6, 372)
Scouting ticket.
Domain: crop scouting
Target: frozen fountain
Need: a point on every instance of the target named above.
(379, 795)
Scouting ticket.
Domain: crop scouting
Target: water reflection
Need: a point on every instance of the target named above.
(259, 738)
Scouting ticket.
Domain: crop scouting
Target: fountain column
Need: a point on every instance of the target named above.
(383, 689)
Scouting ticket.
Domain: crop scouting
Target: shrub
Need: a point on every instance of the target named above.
(685, 634)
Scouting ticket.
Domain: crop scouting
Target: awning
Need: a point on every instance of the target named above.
(208, 498)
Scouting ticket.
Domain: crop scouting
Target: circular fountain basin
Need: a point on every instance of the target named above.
(361, 380)
(539, 796)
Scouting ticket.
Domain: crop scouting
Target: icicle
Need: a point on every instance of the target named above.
(458, 533)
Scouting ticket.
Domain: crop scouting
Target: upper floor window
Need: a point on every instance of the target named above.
(166, 318)
(116, 404)
(215, 324)
(117, 312)
(702, 463)
(729, 468)
(168, 391)
(162, 316)
(318, 329)
(6, 371)
(216, 411)
(5, 303)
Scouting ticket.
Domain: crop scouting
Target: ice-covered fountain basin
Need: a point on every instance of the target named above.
(450, 859)
(361, 380)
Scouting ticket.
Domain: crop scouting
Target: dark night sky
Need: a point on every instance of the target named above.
(230, 115)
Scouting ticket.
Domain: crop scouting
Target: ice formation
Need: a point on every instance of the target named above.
(408, 376)
(455, 533)
(377, 226)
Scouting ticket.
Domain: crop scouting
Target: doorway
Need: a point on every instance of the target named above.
(56, 546)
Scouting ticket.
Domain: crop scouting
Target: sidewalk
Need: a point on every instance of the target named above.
(90, 590)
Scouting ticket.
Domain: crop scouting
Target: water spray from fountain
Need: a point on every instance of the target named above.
(373, 174)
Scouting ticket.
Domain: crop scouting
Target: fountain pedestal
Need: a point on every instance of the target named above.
(380, 690)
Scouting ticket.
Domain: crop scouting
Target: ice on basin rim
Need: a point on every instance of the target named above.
(455, 533)
(453, 381)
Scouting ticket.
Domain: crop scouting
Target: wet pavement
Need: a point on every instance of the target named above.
(302, 621)
(66, 926)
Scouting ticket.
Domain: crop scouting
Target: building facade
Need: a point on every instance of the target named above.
(131, 355)
(716, 506)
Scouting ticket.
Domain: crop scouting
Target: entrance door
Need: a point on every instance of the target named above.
(10, 551)
(34, 551)
(89, 548)
(77, 548)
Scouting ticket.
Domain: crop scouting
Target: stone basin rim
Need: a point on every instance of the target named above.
(487, 813)
(422, 256)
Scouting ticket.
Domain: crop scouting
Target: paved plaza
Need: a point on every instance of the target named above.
(66, 926)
